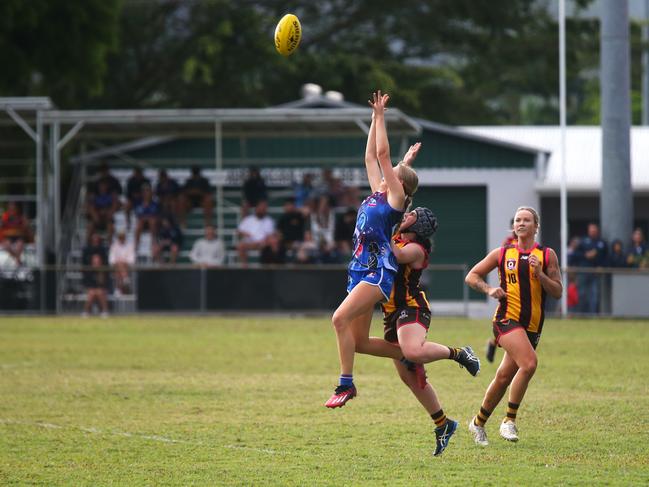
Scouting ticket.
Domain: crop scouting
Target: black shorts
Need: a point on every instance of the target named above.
(404, 316)
(501, 328)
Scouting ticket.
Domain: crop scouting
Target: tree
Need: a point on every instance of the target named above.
(56, 48)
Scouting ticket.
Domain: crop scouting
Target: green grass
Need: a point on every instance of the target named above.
(239, 401)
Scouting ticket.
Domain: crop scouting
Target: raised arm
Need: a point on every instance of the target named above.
(411, 155)
(396, 195)
(476, 276)
(371, 162)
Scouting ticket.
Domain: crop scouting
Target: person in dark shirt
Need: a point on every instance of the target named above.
(303, 190)
(254, 190)
(196, 193)
(148, 215)
(344, 231)
(594, 252)
(574, 252)
(104, 175)
(167, 190)
(96, 283)
(169, 239)
(617, 258)
(134, 192)
(274, 252)
(291, 223)
(101, 208)
(95, 246)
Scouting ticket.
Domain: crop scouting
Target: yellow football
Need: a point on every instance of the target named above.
(288, 34)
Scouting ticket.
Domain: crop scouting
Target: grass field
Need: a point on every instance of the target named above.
(239, 401)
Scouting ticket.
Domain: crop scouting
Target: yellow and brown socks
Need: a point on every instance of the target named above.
(482, 417)
(512, 409)
(439, 417)
(453, 352)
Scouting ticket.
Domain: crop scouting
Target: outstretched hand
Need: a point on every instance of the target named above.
(411, 155)
(379, 102)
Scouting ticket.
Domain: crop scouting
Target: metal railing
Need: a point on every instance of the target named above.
(601, 292)
(202, 289)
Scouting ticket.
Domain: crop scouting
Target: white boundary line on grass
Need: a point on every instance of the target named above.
(162, 439)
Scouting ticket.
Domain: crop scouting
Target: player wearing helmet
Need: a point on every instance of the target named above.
(407, 319)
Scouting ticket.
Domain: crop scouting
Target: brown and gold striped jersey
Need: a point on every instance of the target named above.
(406, 291)
(525, 300)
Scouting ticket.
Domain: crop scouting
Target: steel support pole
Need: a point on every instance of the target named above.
(617, 196)
(218, 161)
(563, 195)
(645, 65)
(40, 208)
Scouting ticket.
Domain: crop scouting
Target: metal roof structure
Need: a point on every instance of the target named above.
(235, 121)
(583, 154)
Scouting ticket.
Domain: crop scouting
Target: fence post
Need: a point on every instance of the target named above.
(203, 289)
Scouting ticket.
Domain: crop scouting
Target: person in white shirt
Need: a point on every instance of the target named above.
(254, 231)
(122, 256)
(208, 250)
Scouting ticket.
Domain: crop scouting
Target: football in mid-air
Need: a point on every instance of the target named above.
(288, 34)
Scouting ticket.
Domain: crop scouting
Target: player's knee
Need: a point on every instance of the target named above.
(528, 366)
(413, 352)
(338, 320)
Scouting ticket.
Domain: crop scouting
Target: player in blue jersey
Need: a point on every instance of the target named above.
(373, 265)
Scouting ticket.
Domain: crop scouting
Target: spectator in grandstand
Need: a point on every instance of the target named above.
(169, 240)
(575, 256)
(254, 190)
(148, 215)
(96, 283)
(638, 255)
(332, 187)
(594, 252)
(167, 190)
(104, 175)
(327, 253)
(303, 190)
(254, 231)
(100, 210)
(291, 224)
(208, 251)
(95, 246)
(528, 273)
(344, 231)
(307, 250)
(121, 256)
(134, 186)
(274, 252)
(617, 257)
(323, 223)
(372, 269)
(196, 193)
(14, 231)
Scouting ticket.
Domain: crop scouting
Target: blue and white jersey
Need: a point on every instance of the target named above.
(374, 224)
